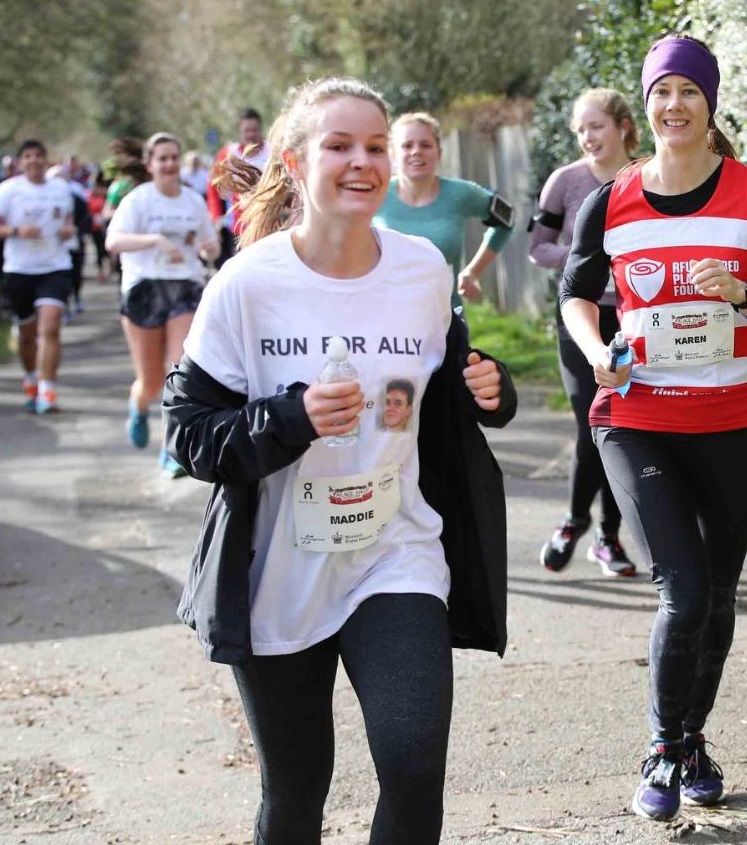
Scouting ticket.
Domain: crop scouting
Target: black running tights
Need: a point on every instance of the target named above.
(682, 497)
(587, 476)
(397, 653)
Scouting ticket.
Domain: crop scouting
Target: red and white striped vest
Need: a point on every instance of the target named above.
(651, 255)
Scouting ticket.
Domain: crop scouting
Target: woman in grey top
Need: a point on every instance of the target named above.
(607, 135)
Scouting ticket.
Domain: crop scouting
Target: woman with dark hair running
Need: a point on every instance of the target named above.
(673, 229)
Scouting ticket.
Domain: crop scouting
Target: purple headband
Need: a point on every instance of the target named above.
(683, 57)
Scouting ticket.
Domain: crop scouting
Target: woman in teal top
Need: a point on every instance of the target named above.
(419, 202)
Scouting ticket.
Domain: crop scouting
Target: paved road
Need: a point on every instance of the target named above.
(114, 729)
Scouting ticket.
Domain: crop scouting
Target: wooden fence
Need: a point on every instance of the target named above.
(511, 283)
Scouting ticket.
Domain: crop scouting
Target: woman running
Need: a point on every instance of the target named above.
(420, 202)
(311, 554)
(161, 229)
(673, 229)
(607, 135)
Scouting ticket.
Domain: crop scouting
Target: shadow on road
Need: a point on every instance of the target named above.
(50, 589)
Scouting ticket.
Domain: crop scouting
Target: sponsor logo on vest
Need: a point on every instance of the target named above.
(669, 391)
(689, 321)
(645, 277)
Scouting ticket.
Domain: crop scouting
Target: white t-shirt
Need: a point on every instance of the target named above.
(49, 206)
(260, 158)
(183, 219)
(196, 179)
(260, 327)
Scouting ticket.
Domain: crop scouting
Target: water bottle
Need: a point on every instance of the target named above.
(620, 354)
(338, 368)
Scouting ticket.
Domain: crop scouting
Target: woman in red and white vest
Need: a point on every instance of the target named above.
(673, 230)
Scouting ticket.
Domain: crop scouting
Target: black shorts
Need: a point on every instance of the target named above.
(24, 292)
(152, 302)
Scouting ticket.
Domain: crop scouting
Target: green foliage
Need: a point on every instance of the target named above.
(115, 68)
(722, 24)
(527, 345)
(609, 52)
(423, 53)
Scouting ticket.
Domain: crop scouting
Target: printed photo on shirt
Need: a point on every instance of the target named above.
(397, 405)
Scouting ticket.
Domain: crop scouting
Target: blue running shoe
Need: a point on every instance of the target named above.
(137, 427)
(171, 468)
(46, 402)
(658, 794)
(702, 778)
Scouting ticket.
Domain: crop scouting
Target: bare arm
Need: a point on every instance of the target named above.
(133, 242)
(469, 279)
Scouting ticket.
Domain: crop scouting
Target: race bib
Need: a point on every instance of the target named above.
(344, 513)
(688, 334)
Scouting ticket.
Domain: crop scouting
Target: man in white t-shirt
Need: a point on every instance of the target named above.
(36, 221)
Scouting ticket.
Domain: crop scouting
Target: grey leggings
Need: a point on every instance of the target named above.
(397, 653)
(682, 497)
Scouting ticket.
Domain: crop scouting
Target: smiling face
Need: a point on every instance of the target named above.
(416, 150)
(678, 113)
(164, 165)
(601, 139)
(32, 162)
(343, 168)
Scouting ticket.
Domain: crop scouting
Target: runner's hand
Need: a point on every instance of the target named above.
(711, 278)
(483, 378)
(173, 253)
(333, 408)
(468, 286)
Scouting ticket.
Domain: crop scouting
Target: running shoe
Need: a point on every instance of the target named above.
(46, 402)
(607, 551)
(556, 554)
(702, 778)
(171, 468)
(658, 794)
(137, 427)
(30, 391)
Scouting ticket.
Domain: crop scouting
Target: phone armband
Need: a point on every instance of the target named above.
(500, 212)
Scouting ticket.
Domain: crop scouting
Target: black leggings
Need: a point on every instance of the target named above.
(682, 497)
(397, 653)
(587, 476)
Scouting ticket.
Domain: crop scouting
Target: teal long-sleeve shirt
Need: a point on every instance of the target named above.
(443, 221)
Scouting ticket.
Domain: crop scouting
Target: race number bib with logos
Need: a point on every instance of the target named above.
(688, 334)
(344, 513)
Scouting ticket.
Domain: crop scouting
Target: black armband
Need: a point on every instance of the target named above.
(548, 219)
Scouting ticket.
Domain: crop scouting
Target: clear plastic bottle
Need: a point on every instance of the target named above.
(338, 368)
(620, 354)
